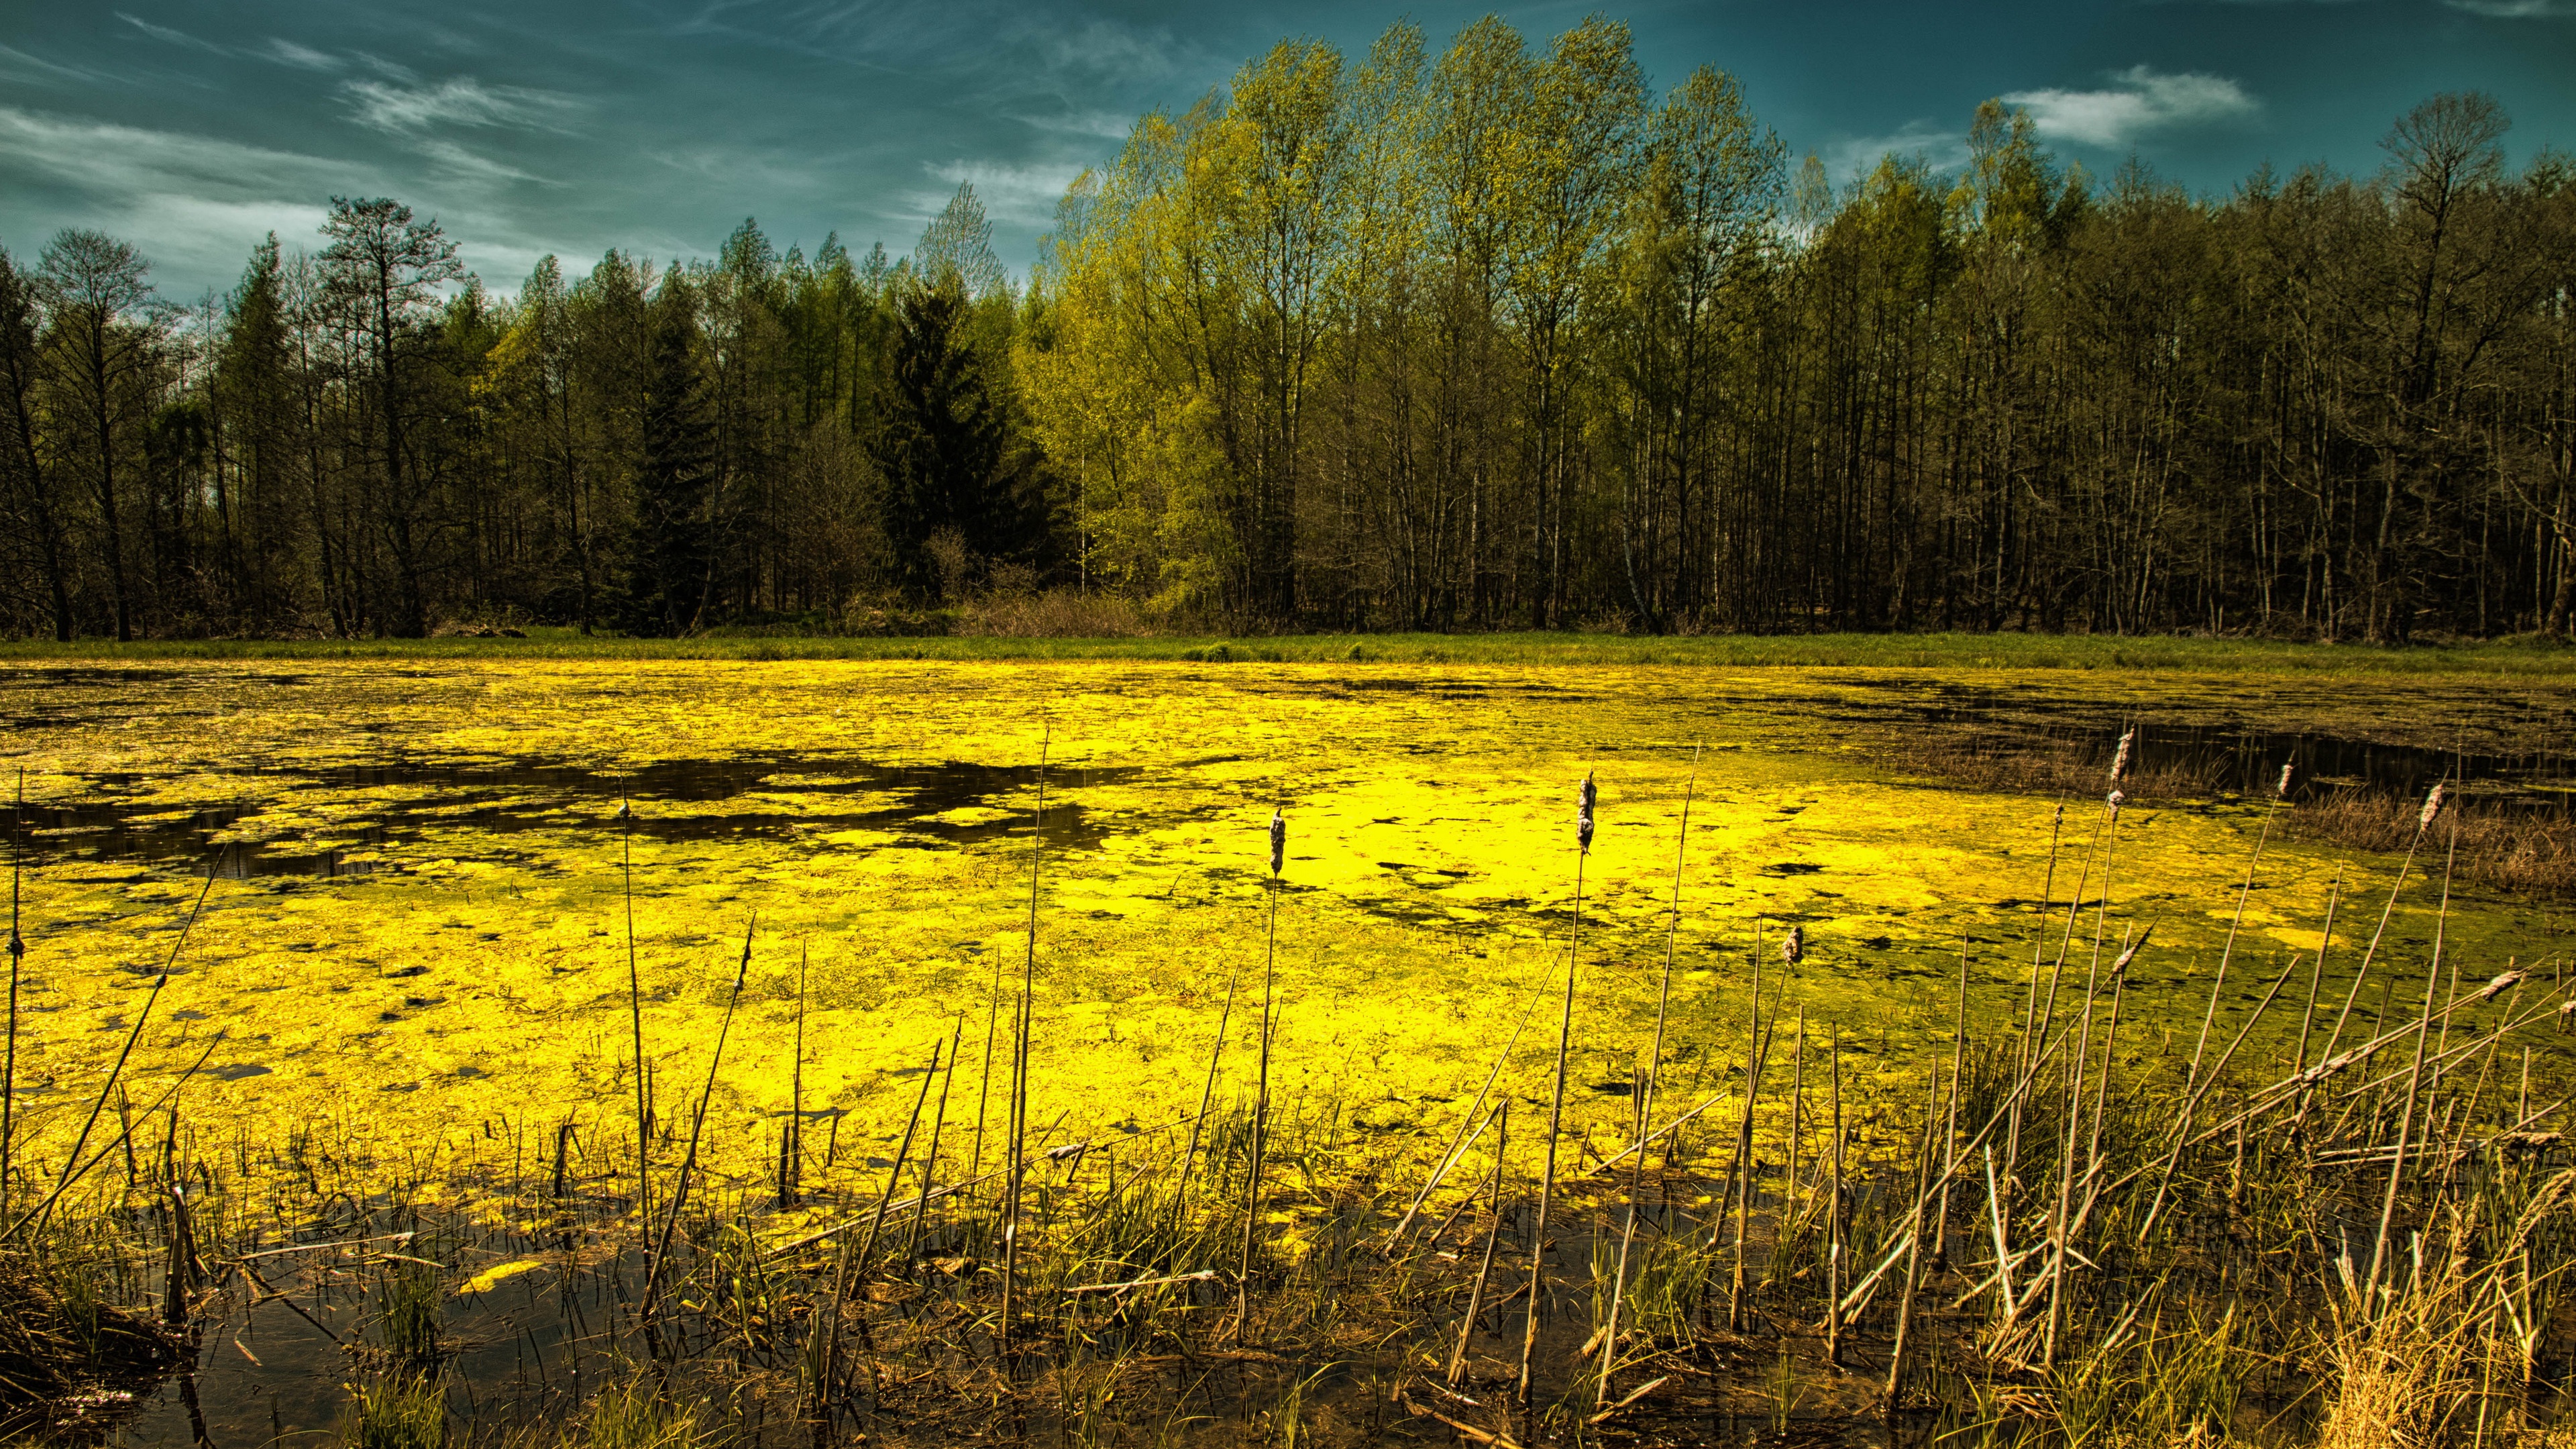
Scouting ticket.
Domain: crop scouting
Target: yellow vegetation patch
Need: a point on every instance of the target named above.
(453, 977)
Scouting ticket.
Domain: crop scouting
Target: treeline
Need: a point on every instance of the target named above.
(361, 440)
(1482, 339)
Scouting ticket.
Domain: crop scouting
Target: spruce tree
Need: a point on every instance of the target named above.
(668, 551)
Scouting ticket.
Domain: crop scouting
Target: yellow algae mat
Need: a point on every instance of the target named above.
(417, 927)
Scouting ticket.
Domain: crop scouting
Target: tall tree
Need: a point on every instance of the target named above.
(670, 558)
(22, 447)
(103, 335)
(387, 268)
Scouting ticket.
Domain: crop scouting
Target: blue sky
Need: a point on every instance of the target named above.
(194, 128)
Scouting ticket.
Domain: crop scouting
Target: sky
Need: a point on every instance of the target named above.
(192, 129)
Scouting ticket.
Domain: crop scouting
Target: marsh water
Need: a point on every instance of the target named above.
(2521, 760)
(428, 886)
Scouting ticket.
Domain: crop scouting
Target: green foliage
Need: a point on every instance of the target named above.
(402, 1411)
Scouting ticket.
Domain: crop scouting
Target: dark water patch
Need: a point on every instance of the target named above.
(113, 820)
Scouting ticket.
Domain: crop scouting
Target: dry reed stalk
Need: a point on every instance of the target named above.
(116, 1073)
(2235, 924)
(866, 1263)
(1895, 1394)
(1646, 1098)
(17, 958)
(1476, 1295)
(2065, 1196)
(1458, 1143)
(2423, 1035)
(1016, 1171)
(2030, 1002)
(1797, 1109)
(1207, 1091)
(1556, 1105)
(1950, 1128)
(1261, 1092)
(2317, 971)
(984, 1083)
(635, 1012)
(792, 1151)
(2423, 822)
(697, 1126)
(1739, 1174)
(2048, 1008)
(1834, 1233)
(930, 1159)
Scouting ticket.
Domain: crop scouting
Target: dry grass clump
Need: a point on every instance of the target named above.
(1053, 614)
(2053, 766)
(2512, 849)
(59, 1337)
(2502, 845)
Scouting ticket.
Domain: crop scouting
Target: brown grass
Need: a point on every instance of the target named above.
(1054, 614)
(2506, 846)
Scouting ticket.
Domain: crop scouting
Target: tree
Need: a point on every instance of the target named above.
(102, 336)
(956, 249)
(386, 268)
(669, 556)
(22, 454)
(943, 445)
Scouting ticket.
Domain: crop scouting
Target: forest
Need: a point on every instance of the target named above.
(1490, 336)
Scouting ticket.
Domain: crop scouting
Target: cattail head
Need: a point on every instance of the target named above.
(1794, 949)
(2131, 954)
(625, 811)
(2115, 800)
(2432, 807)
(2281, 791)
(2501, 984)
(1278, 842)
(1583, 814)
(2120, 757)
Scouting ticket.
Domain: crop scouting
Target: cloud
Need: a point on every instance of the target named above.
(460, 102)
(456, 160)
(2141, 101)
(111, 160)
(18, 65)
(1939, 149)
(168, 36)
(2515, 9)
(302, 57)
(1026, 195)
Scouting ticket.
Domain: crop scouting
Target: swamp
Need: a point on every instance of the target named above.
(1870, 1077)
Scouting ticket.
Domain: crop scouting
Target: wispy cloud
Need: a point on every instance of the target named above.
(168, 36)
(2515, 9)
(128, 160)
(302, 57)
(460, 102)
(18, 65)
(2139, 100)
(458, 161)
(1012, 193)
(1937, 148)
